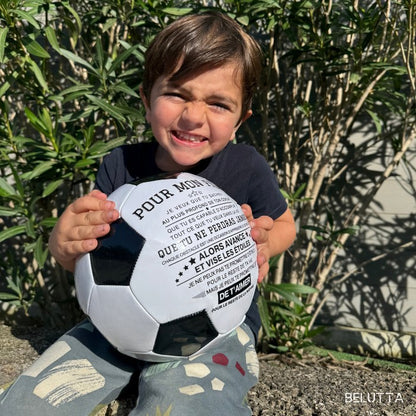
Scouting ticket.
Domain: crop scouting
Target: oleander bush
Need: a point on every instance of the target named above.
(69, 78)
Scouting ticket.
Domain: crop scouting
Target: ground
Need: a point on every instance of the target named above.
(309, 386)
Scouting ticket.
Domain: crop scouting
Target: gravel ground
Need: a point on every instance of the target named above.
(288, 386)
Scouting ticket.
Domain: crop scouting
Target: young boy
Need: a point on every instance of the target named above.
(200, 75)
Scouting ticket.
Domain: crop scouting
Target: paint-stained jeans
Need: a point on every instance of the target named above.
(82, 371)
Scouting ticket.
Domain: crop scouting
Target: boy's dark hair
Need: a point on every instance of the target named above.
(199, 42)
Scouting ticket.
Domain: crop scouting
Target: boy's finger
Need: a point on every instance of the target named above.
(247, 212)
(97, 217)
(259, 235)
(264, 222)
(91, 203)
(89, 232)
(263, 270)
(97, 194)
(74, 249)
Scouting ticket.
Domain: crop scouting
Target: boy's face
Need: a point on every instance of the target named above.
(196, 118)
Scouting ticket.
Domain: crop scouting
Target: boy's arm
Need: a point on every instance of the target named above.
(271, 237)
(79, 226)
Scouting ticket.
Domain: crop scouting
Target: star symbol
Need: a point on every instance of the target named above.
(192, 260)
(186, 267)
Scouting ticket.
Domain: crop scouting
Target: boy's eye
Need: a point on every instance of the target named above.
(221, 106)
(174, 94)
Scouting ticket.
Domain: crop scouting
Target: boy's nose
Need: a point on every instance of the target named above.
(194, 113)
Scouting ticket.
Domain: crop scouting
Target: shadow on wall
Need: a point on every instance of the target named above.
(385, 344)
(381, 296)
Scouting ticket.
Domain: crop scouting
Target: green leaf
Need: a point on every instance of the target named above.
(51, 187)
(3, 37)
(8, 212)
(77, 88)
(299, 191)
(377, 121)
(314, 228)
(109, 24)
(4, 296)
(124, 88)
(74, 14)
(121, 58)
(47, 121)
(99, 52)
(30, 229)
(18, 182)
(348, 230)
(282, 348)
(38, 74)
(77, 59)
(51, 36)
(296, 288)
(98, 149)
(26, 16)
(4, 88)
(34, 48)
(264, 316)
(244, 20)
(6, 189)
(274, 260)
(286, 313)
(83, 163)
(13, 285)
(36, 122)
(106, 107)
(48, 222)
(289, 296)
(40, 252)
(41, 168)
(12, 232)
(177, 11)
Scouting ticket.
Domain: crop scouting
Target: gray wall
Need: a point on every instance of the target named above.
(383, 296)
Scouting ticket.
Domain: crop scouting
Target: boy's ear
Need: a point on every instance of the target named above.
(247, 115)
(243, 119)
(144, 99)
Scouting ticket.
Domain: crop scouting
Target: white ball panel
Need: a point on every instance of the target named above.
(122, 320)
(156, 290)
(121, 194)
(84, 281)
(237, 297)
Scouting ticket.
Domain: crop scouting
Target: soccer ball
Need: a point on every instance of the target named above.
(176, 273)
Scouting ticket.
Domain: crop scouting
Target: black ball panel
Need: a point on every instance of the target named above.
(185, 336)
(114, 259)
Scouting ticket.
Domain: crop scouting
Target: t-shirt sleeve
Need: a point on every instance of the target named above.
(111, 173)
(264, 194)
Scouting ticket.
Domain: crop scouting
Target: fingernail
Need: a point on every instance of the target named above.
(101, 228)
(90, 244)
(110, 215)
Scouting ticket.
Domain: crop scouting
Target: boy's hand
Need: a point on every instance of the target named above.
(260, 232)
(79, 226)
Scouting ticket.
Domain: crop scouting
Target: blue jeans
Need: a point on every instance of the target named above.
(81, 371)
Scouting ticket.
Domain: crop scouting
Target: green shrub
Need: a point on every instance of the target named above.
(69, 77)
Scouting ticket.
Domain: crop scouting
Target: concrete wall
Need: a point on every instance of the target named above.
(382, 297)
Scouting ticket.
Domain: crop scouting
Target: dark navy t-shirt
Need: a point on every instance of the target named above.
(239, 170)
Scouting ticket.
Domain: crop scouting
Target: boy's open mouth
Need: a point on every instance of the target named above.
(186, 137)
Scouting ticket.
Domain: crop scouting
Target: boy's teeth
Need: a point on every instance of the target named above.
(189, 137)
